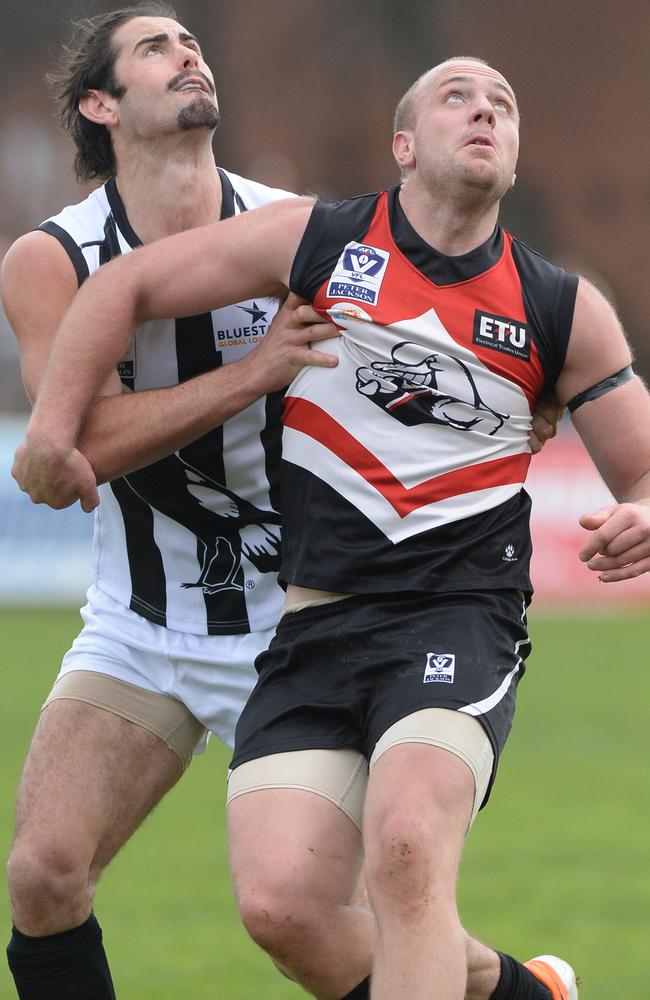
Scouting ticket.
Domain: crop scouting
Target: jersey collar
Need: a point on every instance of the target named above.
(438, 267)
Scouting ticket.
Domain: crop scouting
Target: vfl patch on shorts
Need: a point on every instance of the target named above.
(440, 668)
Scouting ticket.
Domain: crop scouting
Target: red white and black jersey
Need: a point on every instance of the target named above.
(191, 542)
(403, 468)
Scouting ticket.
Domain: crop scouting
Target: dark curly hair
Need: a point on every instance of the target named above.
(87, 63)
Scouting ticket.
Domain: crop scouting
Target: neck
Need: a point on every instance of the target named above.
(169, 187)
(451, 226)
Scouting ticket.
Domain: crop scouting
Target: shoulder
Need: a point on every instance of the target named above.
(343, 220)
(595, 318)
(34, 261)
(254, 194)
(84, 220)
(539, 266)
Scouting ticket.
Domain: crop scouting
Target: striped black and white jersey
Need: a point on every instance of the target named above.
(191, 542)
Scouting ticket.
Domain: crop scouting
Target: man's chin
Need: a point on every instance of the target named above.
(199, 113)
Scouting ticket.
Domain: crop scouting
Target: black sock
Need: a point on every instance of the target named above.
(518, 983)
(67, 966)
(360, 992)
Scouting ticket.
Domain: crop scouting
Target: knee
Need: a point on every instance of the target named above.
(408, 862)
(46, 879)
(280, 918)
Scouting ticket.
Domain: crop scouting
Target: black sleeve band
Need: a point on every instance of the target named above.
(601, 388)
(74, 253)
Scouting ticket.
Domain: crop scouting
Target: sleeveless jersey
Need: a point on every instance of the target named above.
(403, 468)
(191, 542)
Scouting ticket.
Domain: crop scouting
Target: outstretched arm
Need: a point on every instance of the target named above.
(160, 280)
(614, 428)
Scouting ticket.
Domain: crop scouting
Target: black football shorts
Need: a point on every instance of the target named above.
(340, 674)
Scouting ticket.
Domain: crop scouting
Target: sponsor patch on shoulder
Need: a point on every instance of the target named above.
(502, 334)
(358, 274)
(440, 668)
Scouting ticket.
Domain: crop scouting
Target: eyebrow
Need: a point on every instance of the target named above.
(466, 79)
(164, 37)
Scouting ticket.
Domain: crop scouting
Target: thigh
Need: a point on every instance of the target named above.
(167, 718)
(340, 776)
(456, 732)
(89, 780)
(292, 835)
(418, 806)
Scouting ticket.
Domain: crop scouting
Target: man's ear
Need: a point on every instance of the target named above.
(99, 108)
(404, 150)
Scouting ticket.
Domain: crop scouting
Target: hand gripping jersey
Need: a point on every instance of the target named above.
(191, 542)
(403, 468)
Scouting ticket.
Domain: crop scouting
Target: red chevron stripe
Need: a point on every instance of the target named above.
(302, 415)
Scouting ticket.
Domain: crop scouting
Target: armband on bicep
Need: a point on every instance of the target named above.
(601, 388)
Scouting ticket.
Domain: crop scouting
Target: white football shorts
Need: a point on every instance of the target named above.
(211, 675)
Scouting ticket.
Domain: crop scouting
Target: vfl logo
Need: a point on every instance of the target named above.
(502, 334)
(358, 274)
(440, 668)
(437, 390)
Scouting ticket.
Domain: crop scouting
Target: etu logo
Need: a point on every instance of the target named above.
(440, 668)
(502, 334)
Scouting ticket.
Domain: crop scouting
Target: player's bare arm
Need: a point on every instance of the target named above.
(53, 471)
(38, 285)
(168, 419)
(613, 427)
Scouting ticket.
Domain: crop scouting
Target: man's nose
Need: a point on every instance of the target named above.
(190, 58)
(483, 111)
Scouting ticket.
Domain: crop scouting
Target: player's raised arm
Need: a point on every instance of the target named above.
(610, 408)
(182, 275)
(38, 285)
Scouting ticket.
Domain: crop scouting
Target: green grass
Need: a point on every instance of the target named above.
(558, 862)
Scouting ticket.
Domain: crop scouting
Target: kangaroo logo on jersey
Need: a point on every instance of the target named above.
(358, 274)
(440, 668)
(502, 334)
(439, 389)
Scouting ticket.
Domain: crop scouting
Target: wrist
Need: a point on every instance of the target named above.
(46, 436)
(248, 379)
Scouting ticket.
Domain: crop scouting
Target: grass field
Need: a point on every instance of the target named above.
(559, 862)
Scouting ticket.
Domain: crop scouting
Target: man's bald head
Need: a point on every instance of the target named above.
(406, 110)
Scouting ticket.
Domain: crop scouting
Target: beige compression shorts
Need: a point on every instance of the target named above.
(341, 775)
(161, 715)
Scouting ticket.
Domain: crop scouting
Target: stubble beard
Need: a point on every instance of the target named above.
(200, 113)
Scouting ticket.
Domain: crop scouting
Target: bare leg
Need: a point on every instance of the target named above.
(418, 806)
(89, 780)
(295, 861)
